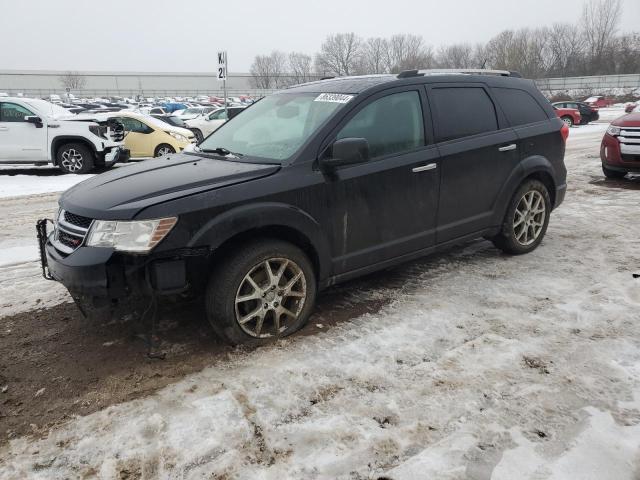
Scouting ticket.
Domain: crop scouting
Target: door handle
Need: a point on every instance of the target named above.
(424, 168)
(4, 129)
(507, 148)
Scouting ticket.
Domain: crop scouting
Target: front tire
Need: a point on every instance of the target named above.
(198, 134)
(263, 291)
(74, 158)
(613, 174)
(568, 120)
(163, 149)
(526, 220)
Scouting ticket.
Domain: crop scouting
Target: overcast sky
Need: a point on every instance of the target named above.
(174, 35)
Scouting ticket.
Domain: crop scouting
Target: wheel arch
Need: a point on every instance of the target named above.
(227, 231)
(60, 140)
(535, 167)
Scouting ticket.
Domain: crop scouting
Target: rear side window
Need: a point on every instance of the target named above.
(391, 124)
(519, 106)
(462, 111)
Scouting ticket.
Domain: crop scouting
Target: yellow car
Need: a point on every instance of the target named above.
(149, 137)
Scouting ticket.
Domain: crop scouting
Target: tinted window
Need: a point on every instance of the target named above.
(462, 111)
(11, 112)
(234, 111)
(519, 106)
(391, 124)
(218, 115)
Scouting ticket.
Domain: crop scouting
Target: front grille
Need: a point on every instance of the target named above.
(77, 220)
(69, 240)
(70, 232)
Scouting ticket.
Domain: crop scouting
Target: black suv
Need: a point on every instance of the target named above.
(311, 186)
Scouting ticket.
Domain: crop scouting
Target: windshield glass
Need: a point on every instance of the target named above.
(48, 108)
(276, 126)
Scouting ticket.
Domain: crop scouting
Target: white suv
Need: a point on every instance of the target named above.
(205, 125)
(38, 132)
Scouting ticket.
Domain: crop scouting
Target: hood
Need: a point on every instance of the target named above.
(182, 131)
(629, 120)
(121, 193)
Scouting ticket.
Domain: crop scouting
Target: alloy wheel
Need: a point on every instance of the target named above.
(164, 151)
(270, 297)
(529, 217)
(72, 160)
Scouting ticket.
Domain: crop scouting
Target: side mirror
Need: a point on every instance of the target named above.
(37, 121)
(346, 151)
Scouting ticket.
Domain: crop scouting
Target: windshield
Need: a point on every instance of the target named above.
(48, 108)
(192, 111)
(275, 127)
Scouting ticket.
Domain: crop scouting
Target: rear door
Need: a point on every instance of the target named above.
(20, 141)
(478, 153)
(536, 134)
(385, 207)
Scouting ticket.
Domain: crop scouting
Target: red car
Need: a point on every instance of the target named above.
(620, 148)
(599, 101)
(570, 116)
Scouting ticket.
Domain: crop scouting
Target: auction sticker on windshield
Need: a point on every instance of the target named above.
(333, 97)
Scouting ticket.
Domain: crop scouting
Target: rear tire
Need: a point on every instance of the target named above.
(568, 120)
(74, 158)
(613, 174)
(246, 305)
(526, 220)
(163, 149)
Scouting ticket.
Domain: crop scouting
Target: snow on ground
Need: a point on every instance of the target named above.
(483, 366)
(19, 185)
(22, 287)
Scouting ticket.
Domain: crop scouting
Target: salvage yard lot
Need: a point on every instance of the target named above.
(469, 364)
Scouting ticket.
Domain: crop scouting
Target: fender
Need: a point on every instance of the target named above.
(528, 166)
(60, 139)
(272, 214)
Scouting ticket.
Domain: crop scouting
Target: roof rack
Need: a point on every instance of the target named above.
(457, 71)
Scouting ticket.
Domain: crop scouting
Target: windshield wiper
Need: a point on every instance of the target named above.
(220, 151)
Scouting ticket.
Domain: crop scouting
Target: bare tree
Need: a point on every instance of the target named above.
(458, 55)
(600, 19)
(564, 49)
(73, 80)
(408, 52)
(375, 53)
(340, 54)
(269, 71)
(300, 65)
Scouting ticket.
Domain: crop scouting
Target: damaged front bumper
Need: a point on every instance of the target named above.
(103, 276)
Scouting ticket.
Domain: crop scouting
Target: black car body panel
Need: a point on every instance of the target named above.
(155, 181)
(357, 219)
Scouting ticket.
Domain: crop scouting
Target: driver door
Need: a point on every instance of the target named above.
(20, 141)
(385, 207)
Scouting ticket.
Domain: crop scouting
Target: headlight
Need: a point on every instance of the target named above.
(613, 131)
(135, 236)
(179, 137)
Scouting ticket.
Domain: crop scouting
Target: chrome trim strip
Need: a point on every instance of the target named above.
(424, 168)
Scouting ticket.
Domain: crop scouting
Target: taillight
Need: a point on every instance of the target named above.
(564, 131)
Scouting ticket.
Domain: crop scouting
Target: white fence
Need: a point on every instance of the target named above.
(605, 84)
(129, 84)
